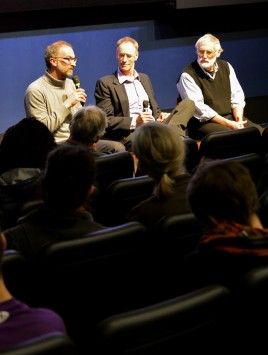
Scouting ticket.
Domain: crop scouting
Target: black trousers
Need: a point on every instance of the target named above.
(198, 130)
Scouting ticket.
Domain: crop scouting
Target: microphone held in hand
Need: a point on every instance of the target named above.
(76, 81)
(77, 84)
(146, 106)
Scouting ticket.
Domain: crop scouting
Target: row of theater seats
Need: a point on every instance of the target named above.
(108, 272)
(234, 143)
(116, 300)
(95, 282)
(119, 190)
(52, 344)
(216, 145)
(225, 144)
(211, 319)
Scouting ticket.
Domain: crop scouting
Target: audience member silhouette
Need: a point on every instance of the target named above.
(67, 184)
(20, 323)
(223, 195)
(159, 150)
(23, 153)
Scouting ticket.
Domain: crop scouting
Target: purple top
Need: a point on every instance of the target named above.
(19, 323)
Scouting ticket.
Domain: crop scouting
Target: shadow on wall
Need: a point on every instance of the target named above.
(256, 109)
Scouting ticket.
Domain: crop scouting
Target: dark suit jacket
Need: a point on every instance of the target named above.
(111, 96)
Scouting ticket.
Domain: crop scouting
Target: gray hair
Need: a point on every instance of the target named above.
(88, 125)
(211, 39)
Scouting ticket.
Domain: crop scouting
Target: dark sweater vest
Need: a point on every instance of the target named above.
(217, 91)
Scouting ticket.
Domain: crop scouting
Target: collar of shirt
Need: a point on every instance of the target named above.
(123, 78)
(53, 81)
(216, 68)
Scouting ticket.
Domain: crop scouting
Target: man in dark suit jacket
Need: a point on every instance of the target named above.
(123, 95)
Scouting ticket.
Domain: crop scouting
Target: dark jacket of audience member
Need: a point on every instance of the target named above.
(67, 184)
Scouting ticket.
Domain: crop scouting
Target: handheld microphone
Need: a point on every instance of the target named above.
(77, 84)
(146, 106)
(76, 81)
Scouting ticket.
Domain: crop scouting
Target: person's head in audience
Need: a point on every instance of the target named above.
(25, 145)
(222, 194)
(223, 191)
(68, 177)
(88, 125)
(160, 152)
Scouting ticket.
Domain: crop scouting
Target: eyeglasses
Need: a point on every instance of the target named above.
(68, 59)
(209, 54)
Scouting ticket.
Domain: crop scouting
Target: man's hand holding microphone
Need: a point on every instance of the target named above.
(146, 115)
(77, 96)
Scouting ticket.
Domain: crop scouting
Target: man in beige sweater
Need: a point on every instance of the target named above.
(54, 99)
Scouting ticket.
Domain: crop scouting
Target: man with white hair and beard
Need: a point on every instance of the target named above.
(213, 86)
